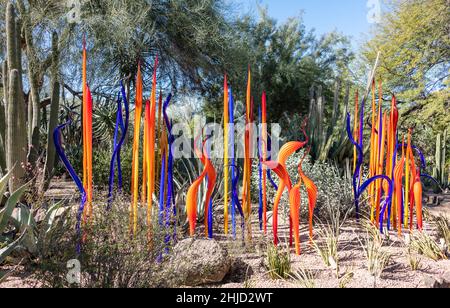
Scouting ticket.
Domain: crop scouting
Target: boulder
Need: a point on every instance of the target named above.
(197, 262)
(430, 283)
(446, 279)
(441, 282)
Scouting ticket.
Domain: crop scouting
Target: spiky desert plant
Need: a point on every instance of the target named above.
(8, 245)
(345, 279)
(327, 244)
(372, 230)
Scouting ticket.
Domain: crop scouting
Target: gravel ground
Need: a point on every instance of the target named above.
(352, 261)
(251, 271)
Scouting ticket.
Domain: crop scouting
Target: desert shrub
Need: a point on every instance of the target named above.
(425, 245)
(278, 262)
(413, 260)
(110, 257)
(334, 189)
(377, 258)
(101, 166)
(305, 278)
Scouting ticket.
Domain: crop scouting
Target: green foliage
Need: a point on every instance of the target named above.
(285, 60)
(18, 227)
(11, 203)
(327, 242)
(413, 260)
(413, 40)
(101, 166)
(305, 278)
(407, 30)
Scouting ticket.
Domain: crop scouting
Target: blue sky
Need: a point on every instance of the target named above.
(346, 16)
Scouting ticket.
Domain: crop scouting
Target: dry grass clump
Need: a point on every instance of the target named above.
(278, 262)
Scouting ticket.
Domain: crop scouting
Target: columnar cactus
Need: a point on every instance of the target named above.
(439, 171)
(3, 104)
(321, 131)
(16, 140)
(16, 155)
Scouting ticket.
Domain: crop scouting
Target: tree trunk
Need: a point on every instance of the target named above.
(54, 111)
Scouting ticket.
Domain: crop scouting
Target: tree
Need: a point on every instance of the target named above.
(414, 42)
(285, 60)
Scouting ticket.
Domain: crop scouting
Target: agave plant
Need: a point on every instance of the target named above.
(8, 245)
(18, 226)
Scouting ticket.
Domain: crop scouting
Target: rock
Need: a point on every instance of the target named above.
(197, 262)
(446, 277)
(240, 271)
(441, 282)
(430, 283)
(40, 215)
(446, 280)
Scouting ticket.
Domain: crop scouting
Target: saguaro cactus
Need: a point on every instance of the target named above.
(16, 155)
(3, 104)
(16, 142)
(439, 171)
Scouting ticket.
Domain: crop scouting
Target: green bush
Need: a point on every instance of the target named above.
(101, 166)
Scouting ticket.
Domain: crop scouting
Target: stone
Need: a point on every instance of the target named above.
(196, 262)
(430, 283)
(446, 277)
(446, 280)
(441, 282)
